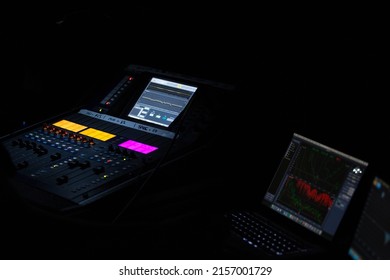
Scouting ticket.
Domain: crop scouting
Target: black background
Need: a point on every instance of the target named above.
(318, 71)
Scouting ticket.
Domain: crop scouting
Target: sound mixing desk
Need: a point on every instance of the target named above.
(147, 119)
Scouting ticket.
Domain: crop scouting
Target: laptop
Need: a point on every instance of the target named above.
(304, 205)
(371, 240)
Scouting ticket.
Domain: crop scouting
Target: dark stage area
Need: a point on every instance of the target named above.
(318, 75)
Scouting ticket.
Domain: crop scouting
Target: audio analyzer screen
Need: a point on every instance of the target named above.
(314, 185)
(162, 101)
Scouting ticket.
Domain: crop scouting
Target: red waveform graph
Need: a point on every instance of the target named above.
(311, 193)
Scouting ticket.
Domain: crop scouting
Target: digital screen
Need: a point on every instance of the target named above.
(372, 237)
(162, 101)
(314, 185)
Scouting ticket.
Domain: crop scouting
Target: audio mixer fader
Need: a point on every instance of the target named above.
(147, 119)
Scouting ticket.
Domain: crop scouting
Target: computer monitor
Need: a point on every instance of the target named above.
(314, 185)
(372, 236)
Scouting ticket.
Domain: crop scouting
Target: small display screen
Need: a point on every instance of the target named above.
(371, 240)
(162, 101)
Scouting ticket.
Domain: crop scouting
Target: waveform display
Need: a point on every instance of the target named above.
(311, 193)
(305, 200)
(162, 102)
(321, 168)
(170, 90)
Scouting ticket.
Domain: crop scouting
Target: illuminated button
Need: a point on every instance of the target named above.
(138, 147)
(97, 134)
(70, 125)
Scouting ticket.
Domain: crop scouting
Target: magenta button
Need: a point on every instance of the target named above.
(138, 147)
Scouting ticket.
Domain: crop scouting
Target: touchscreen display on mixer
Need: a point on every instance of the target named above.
(162, 101)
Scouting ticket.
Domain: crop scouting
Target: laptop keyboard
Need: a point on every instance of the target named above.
(262, 236)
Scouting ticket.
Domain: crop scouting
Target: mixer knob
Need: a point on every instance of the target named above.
(52, 131)
(85, 142)
(40, 150)
(21, 143)
(91, 142)
(55, 156)
(65, 134)
(79, 139)
(46, 128)
(85, 164)
(29, 145)
(99, 169)
(62, 179)
(22, 164)
(73, 163)
(72, 138)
